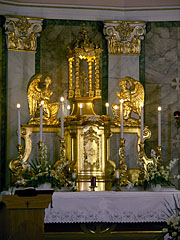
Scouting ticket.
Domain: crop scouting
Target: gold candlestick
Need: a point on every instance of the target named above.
(159, 155)
(62, 150)
(123, 166)
(40, 145)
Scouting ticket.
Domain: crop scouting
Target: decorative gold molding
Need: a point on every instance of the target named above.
(124, 37)
(22, 32)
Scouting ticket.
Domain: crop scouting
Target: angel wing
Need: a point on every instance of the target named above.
(34, 93)
(137, 96)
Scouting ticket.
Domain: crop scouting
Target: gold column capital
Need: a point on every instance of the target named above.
(124, 37)
(22, 32)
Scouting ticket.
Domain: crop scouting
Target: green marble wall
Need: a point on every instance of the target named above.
(160, 64)
(51, 57)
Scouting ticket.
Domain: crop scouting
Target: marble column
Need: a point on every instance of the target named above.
(124, 46)
(21, 38)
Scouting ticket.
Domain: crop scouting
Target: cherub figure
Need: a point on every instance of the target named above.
(38, 91)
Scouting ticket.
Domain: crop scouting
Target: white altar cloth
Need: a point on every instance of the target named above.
(110, 207)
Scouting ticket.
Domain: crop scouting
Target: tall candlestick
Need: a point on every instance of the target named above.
(62, 117)
(80, 109)
(41, 121)
(142, 122)
(122, 126)
(107, 108)
(19, 123)
(116, 108)
(159, 126)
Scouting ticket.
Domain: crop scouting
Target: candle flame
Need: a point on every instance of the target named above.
(116, 107)
(62, 99)
(68, 107)
(80, 105)
(18, 105)
(159, 108)
(107, 104)
(142, 104)
(42, 103)
(121, 101)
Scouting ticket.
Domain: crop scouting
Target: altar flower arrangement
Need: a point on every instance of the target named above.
(40, 171)
(154, 173)
(172, 230)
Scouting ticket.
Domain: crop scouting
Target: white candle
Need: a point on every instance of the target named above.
(117, 174)
(107, 107)
(68, 108)
(116, 108)
(41, 121)
(122, 126)
(62, 117)
(80, 109)
(19, 123)
(159, 126)
(142, 122)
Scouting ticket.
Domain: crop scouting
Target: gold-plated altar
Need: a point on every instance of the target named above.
(86, 139)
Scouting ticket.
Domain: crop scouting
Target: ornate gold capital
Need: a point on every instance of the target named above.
(22, 33)
(124, 37)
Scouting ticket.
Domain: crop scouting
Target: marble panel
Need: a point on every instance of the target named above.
(21, 66)
(161, 67)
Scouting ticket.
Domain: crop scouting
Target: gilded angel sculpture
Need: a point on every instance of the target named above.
(38, 90)
(132, 93)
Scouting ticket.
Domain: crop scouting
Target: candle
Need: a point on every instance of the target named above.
(19, 123)
(117, 174)
(68, 108)
(142, 122)
(80, 108)
(41, 120)
(93, 182)
(159, 126)
(116, 108)
(62, 117)
(107, 107)
(122, 126)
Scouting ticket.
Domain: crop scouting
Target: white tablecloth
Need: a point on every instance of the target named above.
(110, 207)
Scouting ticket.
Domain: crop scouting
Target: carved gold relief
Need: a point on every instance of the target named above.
(22, 33)
(91, 150)
(38, 90)
(132, 93)
(124, 37)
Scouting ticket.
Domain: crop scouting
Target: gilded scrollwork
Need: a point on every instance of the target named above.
(38, 90)
(22, 33)
(124, 37)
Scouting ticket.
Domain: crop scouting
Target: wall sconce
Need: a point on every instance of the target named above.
(177, 118)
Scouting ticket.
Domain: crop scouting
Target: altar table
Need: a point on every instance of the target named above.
(109, 207)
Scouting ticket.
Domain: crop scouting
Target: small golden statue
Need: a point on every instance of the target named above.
(38, 90)
(133, 95)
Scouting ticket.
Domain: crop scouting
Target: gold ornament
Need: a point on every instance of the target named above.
(132, 93)
(124, 37)
(22, 33)
(38, 91)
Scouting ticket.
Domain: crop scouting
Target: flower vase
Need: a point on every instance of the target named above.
(155, 188)
(45, 186)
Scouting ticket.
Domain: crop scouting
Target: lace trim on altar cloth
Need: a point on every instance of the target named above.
(103, 216)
